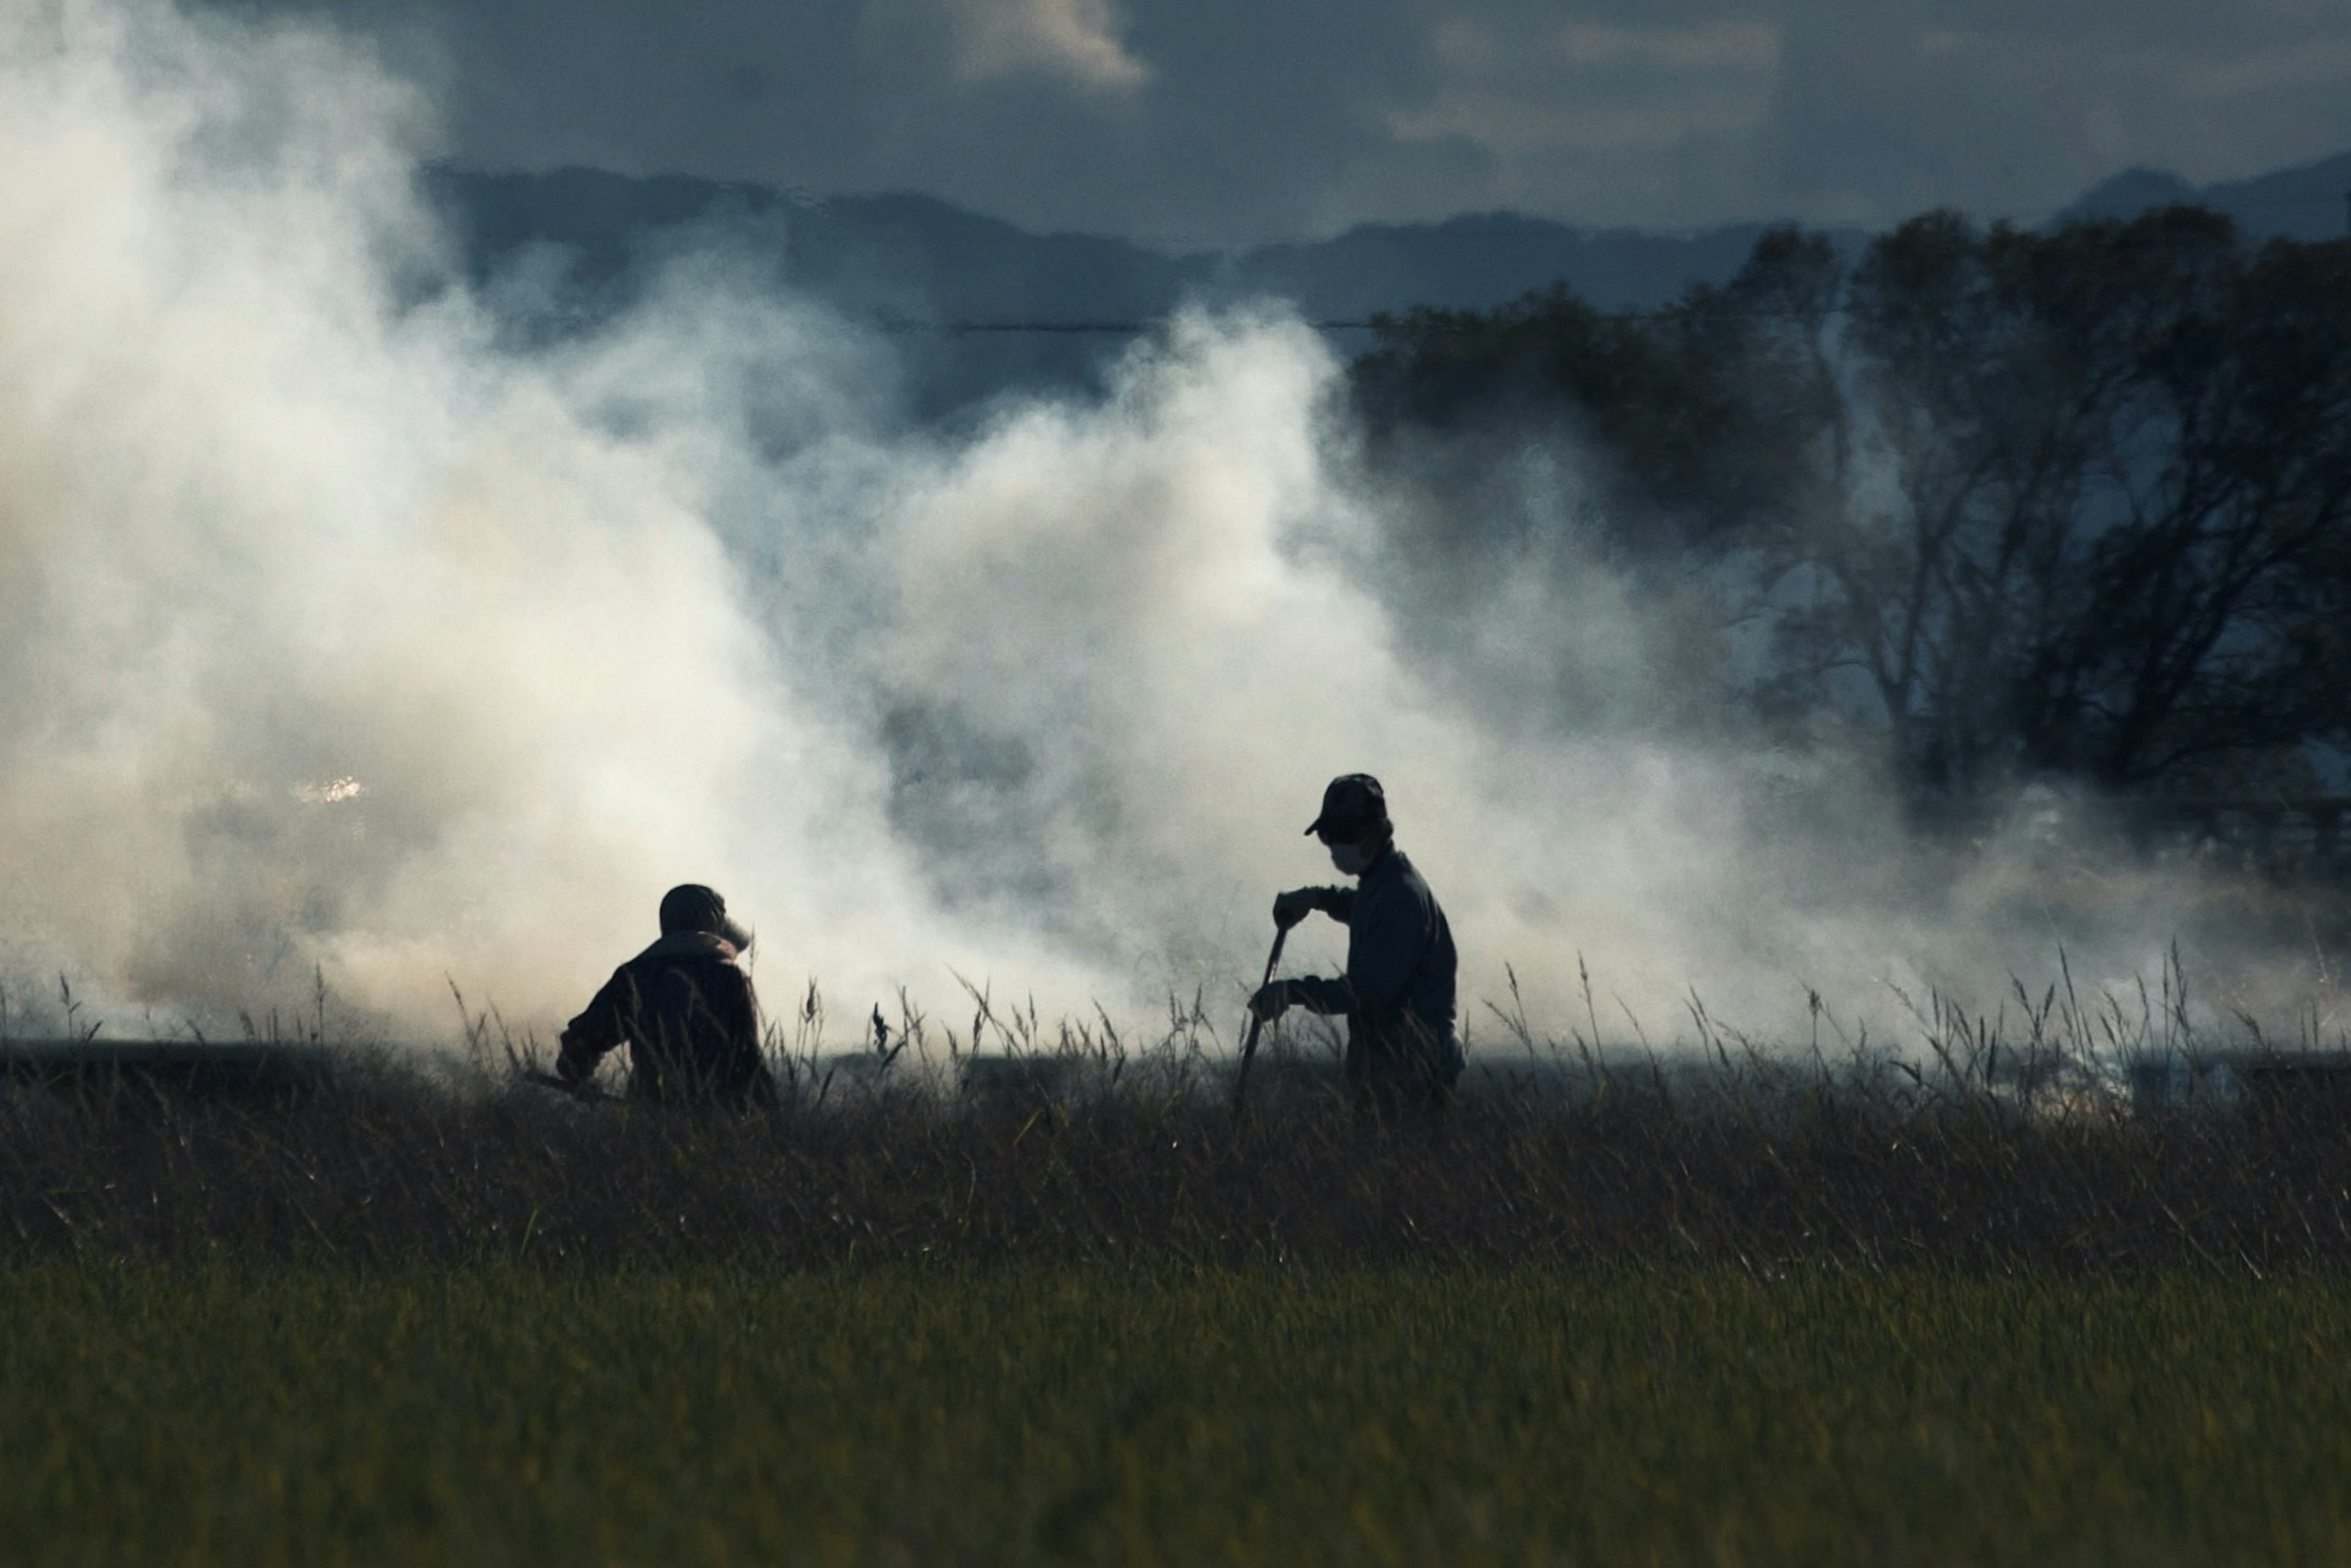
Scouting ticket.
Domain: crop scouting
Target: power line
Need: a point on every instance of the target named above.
(1074, 329)
(1138, 329)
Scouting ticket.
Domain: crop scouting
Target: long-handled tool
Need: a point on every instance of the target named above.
(1249, 1040)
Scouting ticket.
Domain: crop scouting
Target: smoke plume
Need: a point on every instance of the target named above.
(345, 637)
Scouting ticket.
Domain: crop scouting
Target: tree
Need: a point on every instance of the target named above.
(2113, 464)
(2073, 502)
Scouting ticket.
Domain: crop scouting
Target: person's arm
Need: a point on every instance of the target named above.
(597, 1030)
(1382, 949)
(1290, 908)
(1277, 996)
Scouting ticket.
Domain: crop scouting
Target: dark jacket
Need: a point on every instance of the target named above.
(1397, 992)
(684, 1009)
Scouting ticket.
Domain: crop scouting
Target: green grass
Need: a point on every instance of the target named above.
(186, 1412)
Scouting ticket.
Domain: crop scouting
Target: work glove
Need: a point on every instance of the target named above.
(1271, 1001)
(1290, 908)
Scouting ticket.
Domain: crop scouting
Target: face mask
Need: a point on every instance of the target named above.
(1350, 859)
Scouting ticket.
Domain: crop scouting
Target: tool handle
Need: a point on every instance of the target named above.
(1248, 1040)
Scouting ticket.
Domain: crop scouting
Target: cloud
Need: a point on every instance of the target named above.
(2005, 109)
(1077, 39)
(1603, 91)
(1217, 120)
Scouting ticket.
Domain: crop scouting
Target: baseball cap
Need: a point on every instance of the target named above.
(1352, 802)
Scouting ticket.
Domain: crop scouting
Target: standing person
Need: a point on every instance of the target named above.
(683, 1007)
(1397, 992)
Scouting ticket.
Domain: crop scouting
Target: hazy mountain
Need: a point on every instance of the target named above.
(2308, 202)
(2127, 195)
(897, 254)
(581, 238)
(925, 258)
(1483, 259)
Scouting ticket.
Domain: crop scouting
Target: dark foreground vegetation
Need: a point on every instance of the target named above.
(1872, 1166)
(1878, 1313)
(226, 1412)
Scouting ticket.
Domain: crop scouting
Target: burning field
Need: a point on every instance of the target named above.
(1894, 847)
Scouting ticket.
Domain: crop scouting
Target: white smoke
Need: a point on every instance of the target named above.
(338, 636)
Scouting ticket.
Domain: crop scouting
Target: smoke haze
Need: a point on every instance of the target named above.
(340, 633)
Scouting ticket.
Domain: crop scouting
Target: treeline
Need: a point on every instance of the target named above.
(2068, 504)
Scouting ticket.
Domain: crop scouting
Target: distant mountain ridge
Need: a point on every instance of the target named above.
(1478, 260)
(911, 261)
(924, 258)
(928, 258)
(580, 241)
(2306, 201)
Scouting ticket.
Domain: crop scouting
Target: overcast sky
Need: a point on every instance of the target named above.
(1209, 121)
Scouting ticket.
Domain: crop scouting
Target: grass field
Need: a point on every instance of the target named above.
(207, 1412)
(1861, 1315)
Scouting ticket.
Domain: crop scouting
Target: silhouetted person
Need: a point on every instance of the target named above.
(683, 1007)
(1397, 992)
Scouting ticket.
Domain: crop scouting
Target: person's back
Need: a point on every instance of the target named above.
(1401, 964)
(684, 1009)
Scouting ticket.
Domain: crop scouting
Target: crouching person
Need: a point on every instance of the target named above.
(1398, 991)
(683, 1007)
